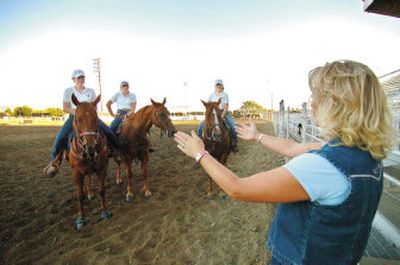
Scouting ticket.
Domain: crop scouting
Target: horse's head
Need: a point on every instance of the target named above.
(86, 124)
(213, 121)
(161, 118)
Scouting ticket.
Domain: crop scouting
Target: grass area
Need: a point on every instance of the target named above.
(48, 122)
(30, 122)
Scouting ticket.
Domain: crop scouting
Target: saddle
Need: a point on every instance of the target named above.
(120, 125)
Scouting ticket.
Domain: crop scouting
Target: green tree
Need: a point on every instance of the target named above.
(17, 111)
(54, 112)
(251, 107)
(8, 111)
(22, 111)
(236, 114)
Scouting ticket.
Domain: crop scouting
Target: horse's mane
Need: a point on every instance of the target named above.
(139, 115)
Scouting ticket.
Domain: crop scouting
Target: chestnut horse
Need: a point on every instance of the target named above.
(135, 142)
(216, 137)
(88, 154)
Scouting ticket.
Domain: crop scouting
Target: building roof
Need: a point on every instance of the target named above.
(383, 7)
(391, 81)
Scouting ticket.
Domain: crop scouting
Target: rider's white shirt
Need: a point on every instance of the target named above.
(87, 95)
(123, 102)
(224, 99)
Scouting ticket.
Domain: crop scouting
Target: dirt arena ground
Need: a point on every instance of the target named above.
(178, 225)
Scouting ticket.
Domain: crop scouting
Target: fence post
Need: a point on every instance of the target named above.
(304, 122)
(281, 117)
(288, 123)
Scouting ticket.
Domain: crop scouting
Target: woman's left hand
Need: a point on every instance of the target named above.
(191, 145)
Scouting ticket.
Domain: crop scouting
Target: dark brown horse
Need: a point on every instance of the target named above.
(88, 154)
(136, 144)
(216, 137)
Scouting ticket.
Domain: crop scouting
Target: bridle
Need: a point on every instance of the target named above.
(85, 151)
(164, 124)
(216, 131)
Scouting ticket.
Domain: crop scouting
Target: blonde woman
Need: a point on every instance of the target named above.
(328, 194)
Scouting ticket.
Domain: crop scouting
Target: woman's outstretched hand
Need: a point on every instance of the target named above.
(191, 145)
(247, 132)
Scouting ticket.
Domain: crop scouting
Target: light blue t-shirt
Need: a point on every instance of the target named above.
(123, 102)
(224, 99)
(323, 182)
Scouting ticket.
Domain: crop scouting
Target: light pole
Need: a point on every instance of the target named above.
(97, 69)
(185, 97)
(270, 88)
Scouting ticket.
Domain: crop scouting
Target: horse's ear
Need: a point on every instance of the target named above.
(97, 100)
(75, 100)
(219, 101)
(204, 103)
(153, 102)
(164, 101)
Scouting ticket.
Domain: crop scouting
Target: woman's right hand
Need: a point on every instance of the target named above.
(247, 132)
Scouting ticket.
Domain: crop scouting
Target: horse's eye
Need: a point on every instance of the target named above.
(162, 115)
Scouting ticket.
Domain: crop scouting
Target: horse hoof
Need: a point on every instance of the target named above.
(148, 196)
(80, 222)
(129, 198)
(105, 215)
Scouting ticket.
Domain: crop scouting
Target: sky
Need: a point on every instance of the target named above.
(261, 49)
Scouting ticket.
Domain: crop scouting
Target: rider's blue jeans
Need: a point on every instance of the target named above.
(61, 140)
(232, 129)
(115, 123)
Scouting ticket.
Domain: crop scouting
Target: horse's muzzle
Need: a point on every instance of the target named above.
(216, 134)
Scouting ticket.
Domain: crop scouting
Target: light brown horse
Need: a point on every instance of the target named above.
(216, 137)
(88, 154)
(135, 142)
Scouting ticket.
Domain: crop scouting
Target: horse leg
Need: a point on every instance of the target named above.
(78, 180)
(147, 193)
(129, 185)
(104, 214)
(118, 178)
(89, 187)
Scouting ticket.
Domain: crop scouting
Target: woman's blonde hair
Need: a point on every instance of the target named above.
(352, 106)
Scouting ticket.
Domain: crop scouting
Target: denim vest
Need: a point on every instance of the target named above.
(313, 234)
